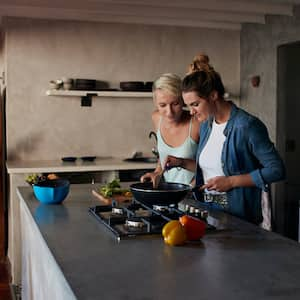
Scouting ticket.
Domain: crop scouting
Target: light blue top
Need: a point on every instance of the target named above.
(187, 149)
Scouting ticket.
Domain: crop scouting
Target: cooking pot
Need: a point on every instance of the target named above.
(165, 194)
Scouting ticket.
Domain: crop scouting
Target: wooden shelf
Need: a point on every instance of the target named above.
(113, 94)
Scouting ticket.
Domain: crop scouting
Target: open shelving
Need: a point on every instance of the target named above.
(86, 96)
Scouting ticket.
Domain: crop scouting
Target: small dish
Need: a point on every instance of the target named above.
(88, 158)
(69, 158)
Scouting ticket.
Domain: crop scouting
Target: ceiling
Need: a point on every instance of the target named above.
(225, 14)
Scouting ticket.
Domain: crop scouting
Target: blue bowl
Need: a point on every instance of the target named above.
(51, 191)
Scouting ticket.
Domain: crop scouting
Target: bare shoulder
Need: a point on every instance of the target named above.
(195, 129)
(155, 118)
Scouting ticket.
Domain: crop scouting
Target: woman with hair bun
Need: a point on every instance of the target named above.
(236, 161)
(177, 131)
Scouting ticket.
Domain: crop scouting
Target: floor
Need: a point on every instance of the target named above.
(5, 293)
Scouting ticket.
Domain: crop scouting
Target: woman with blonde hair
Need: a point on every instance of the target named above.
(177, 131)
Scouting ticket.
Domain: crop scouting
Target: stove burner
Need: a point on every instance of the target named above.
(117, 210)
(137, 219)
(134, 222)
(161, 207)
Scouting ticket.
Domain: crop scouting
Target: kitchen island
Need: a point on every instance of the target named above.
(107, 167)
(79, 258)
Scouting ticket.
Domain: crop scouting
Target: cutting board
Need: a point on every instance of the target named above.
(108, 200)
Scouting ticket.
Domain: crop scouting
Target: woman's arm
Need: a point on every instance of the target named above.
(185, 163)
(154, 176)
(226, 183)
(272, 167)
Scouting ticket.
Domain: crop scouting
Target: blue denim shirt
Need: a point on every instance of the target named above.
(247, 149)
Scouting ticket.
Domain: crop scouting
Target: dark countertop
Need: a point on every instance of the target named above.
(241, 261)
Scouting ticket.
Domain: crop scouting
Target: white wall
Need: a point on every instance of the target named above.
(41, 127)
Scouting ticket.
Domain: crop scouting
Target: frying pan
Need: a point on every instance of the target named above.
(165, 194)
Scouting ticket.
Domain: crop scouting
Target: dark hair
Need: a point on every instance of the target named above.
(199, 63)
(203, 83)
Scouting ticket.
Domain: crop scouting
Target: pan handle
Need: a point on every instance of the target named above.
(197, 194)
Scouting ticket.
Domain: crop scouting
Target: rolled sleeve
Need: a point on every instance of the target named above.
(272, 168)
(258, 180)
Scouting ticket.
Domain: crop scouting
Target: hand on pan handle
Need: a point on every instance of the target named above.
(154, 177)
(172, 162)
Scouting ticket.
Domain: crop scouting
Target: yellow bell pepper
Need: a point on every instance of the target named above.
(174, 233)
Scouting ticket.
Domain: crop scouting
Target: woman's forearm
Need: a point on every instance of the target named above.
(158, 169)
(188, 164)
(226, 183)
(244, 180)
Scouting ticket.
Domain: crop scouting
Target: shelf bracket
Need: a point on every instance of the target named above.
(87, 99)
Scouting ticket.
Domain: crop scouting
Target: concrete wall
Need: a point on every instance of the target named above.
(259, 56)
(43, 127)
(259, 45)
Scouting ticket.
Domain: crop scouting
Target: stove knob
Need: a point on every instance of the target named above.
(187, 208)
(192, 209)
(204, 214)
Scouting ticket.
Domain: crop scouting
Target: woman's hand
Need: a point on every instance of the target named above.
(172, 162)
(154, 177)
(218, 184)
(226, 183)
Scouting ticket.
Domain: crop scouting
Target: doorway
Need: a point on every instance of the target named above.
(286, 210)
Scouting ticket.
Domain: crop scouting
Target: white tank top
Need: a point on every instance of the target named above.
(187, 149)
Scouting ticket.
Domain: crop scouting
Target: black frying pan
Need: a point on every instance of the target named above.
(165, 194)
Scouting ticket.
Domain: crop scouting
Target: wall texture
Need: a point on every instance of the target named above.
(259, 56)
(259, 45)
(40, 127)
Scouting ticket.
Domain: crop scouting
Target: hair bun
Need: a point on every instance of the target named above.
(201, 58)
(200, 63)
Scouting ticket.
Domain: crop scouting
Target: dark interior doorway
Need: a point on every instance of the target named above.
(288, 138)
(3, 202)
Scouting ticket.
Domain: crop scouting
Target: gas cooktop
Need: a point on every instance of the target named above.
(137, 219)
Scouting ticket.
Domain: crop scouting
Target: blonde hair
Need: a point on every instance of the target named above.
(170, 83)
(200, 63)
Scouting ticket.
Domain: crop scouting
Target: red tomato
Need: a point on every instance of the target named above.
(195, 228)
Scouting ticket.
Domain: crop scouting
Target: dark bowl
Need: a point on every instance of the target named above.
(167, 193)
(69, 158)
(132, 85)
(88, 158)
(148, 86)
